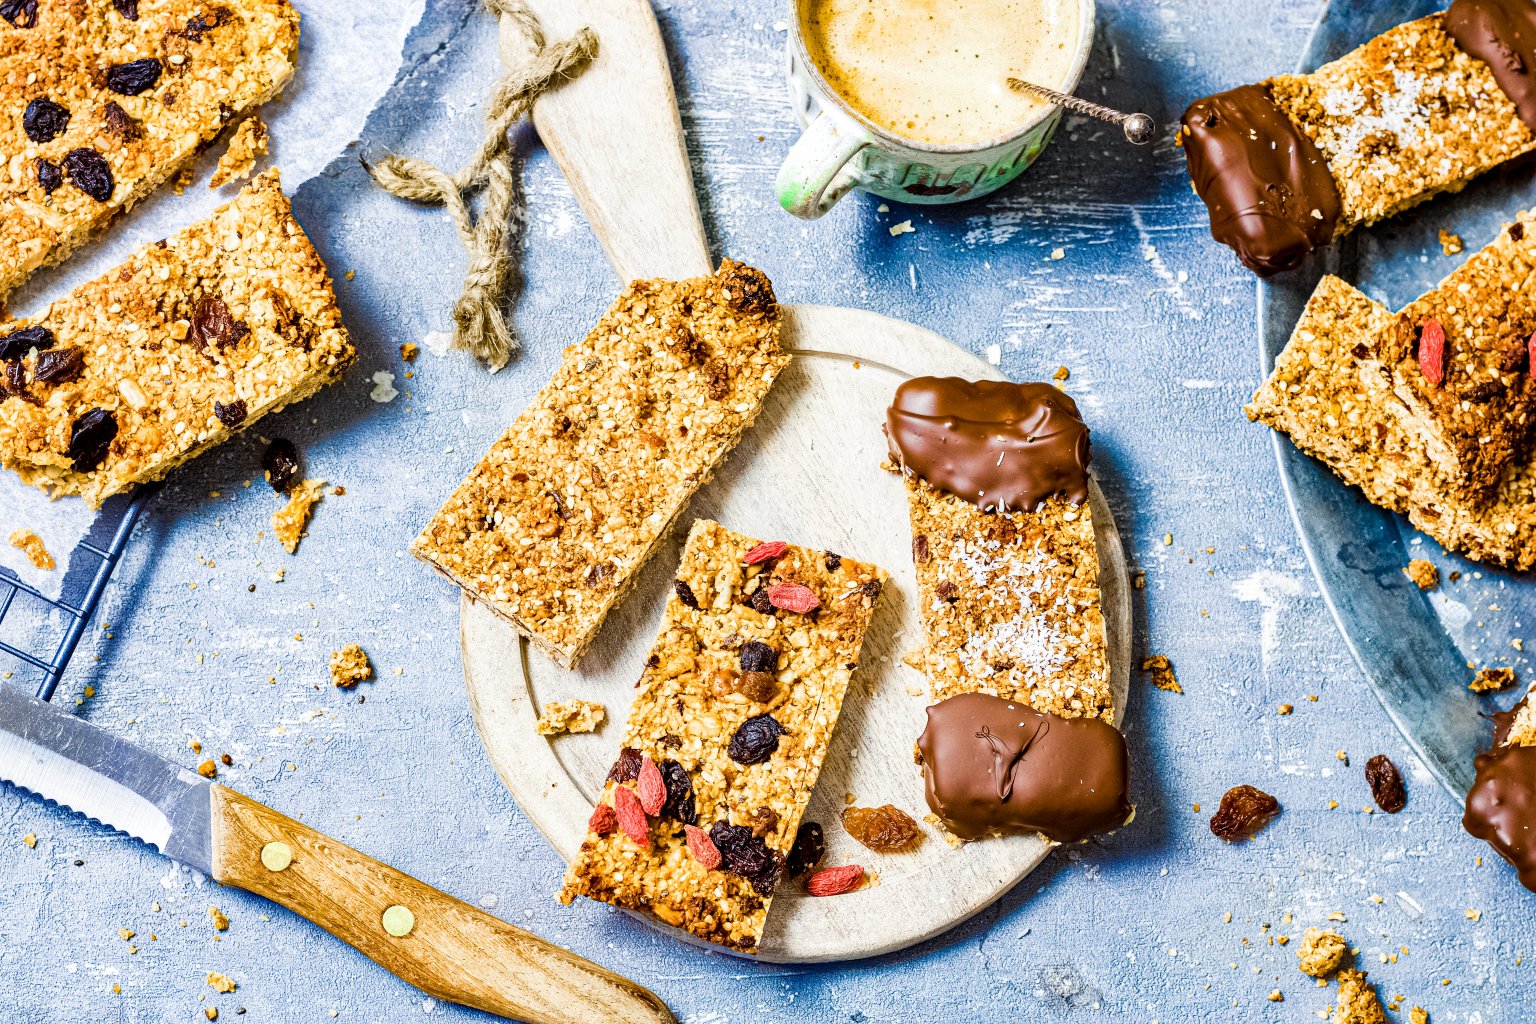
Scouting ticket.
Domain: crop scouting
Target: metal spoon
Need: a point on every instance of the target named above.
(1138, 128)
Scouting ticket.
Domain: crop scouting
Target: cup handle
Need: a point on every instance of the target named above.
(815, 174)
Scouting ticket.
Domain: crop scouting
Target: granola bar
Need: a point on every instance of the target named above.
(112, 99)
(1500, 804)
(187, 342)
(552, 525)
(734, 712)
(1419, 110)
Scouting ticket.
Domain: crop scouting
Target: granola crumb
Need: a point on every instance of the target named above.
(221, 983)
(208, 769)
(1160, 673)
(288, 522)
(1418, 1015)
(409, 351)
(239, 159)
(32, 546)
(1492, 680)
(349, 666)
(183, 179)
(1322, 952)
(1358, 1002)
(1424, 573)
(1450, 243)
(30, 839)
(220, 922)
(573, 716)
(1062, 373)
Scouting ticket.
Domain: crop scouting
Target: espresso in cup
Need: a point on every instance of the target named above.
(936, 71)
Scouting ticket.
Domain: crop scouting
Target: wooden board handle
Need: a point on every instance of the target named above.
(453, 952)
(617, 136)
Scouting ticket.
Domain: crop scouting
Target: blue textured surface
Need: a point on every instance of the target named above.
(1156, 324)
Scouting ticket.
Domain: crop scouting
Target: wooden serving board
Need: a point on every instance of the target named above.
(808, 472)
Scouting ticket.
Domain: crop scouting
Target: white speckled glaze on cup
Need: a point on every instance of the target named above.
(841, 149)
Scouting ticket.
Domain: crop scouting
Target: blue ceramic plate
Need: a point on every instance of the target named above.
(1414, 648)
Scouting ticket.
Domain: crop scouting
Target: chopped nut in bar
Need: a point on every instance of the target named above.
(290, 521)
(350, 666)
(192, 339)
(31, 545)
(702, 808)
(116, 105)
(551, 527)
(560, 717)
(247, 144)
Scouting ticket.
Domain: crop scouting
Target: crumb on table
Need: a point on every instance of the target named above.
(220, 982)
(1492, 680)
(572, 716)
(350, 666)
(1424, 573)
(288, 522)
(1358, 1002)
(1322, 952)
(32, 546)
(1160, 672)
(239, 159)
(1450, 243)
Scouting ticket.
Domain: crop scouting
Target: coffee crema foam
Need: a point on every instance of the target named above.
(936, 71)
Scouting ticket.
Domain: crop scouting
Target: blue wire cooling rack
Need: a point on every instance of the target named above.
(53, 627)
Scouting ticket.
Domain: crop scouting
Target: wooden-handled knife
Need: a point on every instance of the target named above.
(441, 945)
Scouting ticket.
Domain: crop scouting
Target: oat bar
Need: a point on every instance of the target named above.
(1412, 113)
(551, 527)
(736, 706)
(106, 100)
(187, 342)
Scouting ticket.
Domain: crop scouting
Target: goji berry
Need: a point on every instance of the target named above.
(835, 881)
(1432, 352)
(603, 820)
(631, 816)
(651, 788)
(793, 597)
(702, 847)
(766, 550)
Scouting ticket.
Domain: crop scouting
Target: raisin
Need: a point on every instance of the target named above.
(231, 415)
(1243, 811)
(200, 25)
(213, 322)
(59, 365)
(120, 123)
(748, 290)
(281, 463)
(834, 561)
(89, 172)
(947, 592)
(49, 176)
(16, 377)
(920, 549)
(883, 829)
(685, 594)
(134, 77)
(759, 601)
(871, 589)
(1386, 784)
(1516, 230)
(44, 120)
(23, 14)
(1480, 393)
(89, 439)
(680, 802)
(18, 343)
(127, 8)
(756, 686)
(747, 855)
(757, 656)
(756, 739)
(627, 767)
(810, 846)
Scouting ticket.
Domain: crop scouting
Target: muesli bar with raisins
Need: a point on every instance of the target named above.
(734, 712)
(187, 342)
(111, 99)
(551, 527)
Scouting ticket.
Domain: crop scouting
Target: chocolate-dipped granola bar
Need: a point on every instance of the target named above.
(727, 734)
(1501, 805)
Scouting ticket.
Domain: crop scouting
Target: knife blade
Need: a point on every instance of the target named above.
(448, 949)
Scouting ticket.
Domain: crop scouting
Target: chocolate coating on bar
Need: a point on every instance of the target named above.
(1501, 807)
(1501, 34)
(1270, 193)
(997, 444)
(990, 763)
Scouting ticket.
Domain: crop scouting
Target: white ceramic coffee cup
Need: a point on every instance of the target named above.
(841, 149)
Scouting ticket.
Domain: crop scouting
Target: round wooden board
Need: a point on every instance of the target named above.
(808, 471)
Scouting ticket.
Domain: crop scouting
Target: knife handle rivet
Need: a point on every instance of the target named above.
(276, 856)
(399, 921)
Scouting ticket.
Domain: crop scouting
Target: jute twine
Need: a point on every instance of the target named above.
(480, 314)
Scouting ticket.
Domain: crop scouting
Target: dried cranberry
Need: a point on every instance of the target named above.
(44, 120)
(127, 8)
(756, 739)
(89, 172)
(1243, 811)
(810, 846)
(757, 656)
(1386, 784)
(59, 365)
(120, 123)
(627, 767)
(20, 13)
(231, 415)
(49, 176)
(685, 594)
(747, 855)
(680, 803)
(134, 77)
(213, 322)
(18, 343)
(89, 439)
(281, 463)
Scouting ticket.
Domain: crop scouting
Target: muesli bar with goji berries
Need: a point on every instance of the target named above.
(189, 341)
(734, 712)
(111, 99)
(1345, 391)
(552, 526)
